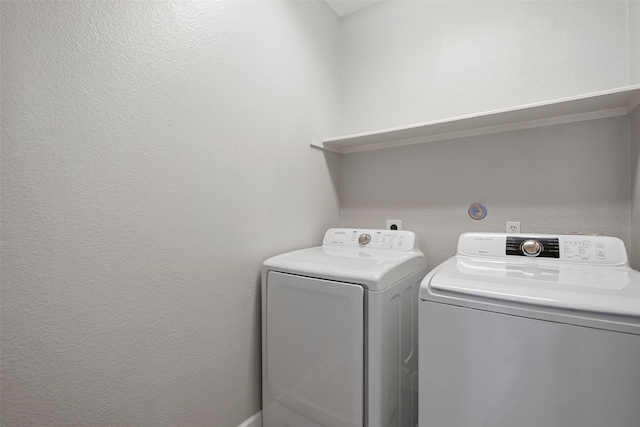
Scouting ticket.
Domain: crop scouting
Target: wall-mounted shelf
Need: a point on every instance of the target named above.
(610, 103)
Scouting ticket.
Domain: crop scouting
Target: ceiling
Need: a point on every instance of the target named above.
(345, 7)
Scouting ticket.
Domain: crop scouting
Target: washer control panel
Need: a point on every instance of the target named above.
(394, 240)
(566, 248)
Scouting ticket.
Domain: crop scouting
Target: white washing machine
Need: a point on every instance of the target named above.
(531, 331)
(339, 332)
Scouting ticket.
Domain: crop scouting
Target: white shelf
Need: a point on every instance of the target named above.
(610, 103)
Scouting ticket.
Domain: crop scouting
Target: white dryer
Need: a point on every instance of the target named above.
(531, 331)
(339, 332)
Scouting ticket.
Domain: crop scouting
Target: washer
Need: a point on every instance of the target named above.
(339, 331)
(530, 331)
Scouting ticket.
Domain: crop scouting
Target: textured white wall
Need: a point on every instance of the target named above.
(634, 76)
(406, 62)
(634, 250)
(634, 42)
(634, 244)
(153, 155)
(409, 62)
(570, 178)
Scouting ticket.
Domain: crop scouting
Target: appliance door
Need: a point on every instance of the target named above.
(585, 287)
(479, 368)
(314, 349)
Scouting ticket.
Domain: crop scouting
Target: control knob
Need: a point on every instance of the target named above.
(531, 247)
(364, 239)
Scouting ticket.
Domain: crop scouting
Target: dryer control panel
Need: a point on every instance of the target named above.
(582, 249)
(390, 240)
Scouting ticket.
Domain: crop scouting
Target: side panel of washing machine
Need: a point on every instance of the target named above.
(313, 345)
(393, 354)
(479, 368)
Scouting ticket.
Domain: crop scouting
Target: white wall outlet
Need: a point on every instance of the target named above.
(513, 226)
(394, 224)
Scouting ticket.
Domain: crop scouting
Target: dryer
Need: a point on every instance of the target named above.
(339, 331)
(530, 331)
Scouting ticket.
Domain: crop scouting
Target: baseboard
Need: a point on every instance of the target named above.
(254, 421)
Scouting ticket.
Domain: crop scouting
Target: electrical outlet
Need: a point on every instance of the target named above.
(394, 224)
(513, 226)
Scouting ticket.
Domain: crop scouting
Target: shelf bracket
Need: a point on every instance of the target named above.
(633, 104)
(316, 143)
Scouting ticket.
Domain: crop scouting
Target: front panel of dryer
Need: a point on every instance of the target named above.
(314, 352)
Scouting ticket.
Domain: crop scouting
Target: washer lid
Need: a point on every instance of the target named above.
(595, 288)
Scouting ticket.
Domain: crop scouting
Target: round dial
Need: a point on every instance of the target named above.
(364, 239)
(531, 247)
